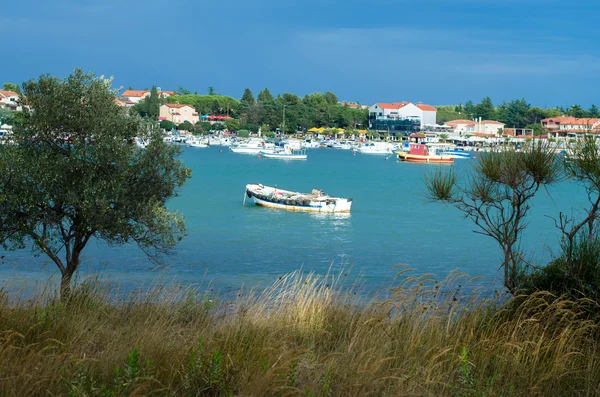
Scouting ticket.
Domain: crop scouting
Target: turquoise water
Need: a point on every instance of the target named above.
(229, 244)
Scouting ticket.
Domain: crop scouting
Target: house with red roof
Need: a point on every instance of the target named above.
(136, 96)
(9, 100)
(570, 126)
(178, 113)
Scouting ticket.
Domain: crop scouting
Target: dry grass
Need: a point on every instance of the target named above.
(305, 335)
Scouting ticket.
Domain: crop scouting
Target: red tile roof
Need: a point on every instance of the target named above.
(388, 105)
(134, 93)
(427, 108)
(491, 122)
(454, 123)
(568, 120)
(8, 93)
(177, 105)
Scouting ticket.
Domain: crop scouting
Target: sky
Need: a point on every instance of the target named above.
(434, 51)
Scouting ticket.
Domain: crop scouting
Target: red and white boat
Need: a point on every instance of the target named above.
(427, 153)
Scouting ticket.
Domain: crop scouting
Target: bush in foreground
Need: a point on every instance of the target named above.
(302, 336)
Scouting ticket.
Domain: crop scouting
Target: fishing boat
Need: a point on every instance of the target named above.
(426, 153)
(286, 153)
(315, 201)
(252, 146)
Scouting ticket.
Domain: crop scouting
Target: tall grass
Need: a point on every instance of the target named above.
(305, 335)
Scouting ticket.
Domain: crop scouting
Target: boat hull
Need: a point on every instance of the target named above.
(417, 158)
(279, 156)
(292, 201)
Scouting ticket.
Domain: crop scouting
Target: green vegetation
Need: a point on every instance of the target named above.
(517, 113)
(74, 174)
(497, 195)
(303, 336)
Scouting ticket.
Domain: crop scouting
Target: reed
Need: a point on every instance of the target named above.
(305, 335)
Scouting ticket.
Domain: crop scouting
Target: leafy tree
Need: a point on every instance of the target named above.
(7, 116)
(211, 90)
(576, 111)
(12, 87)
(247, 98)
(74, 175)
(514, 113)
(485, 109)
(594, 112)
(152, 104)
(497, 197)
(331, 98)
(265, 95)
(185, 126)
(469, 110)
(167, 125)
(232, 124)
(183, 91)
(537, 129)
(218, 126)
(243, 133)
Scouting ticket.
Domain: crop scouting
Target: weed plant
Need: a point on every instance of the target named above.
(305, 335)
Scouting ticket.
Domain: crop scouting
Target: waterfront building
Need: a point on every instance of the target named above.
(567, 126)
(178, 113)
(401, 117)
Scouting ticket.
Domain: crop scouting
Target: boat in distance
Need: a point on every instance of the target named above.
(286, 154)
(315, 201)
(426, 153)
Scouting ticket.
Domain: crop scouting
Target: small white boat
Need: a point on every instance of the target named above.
(286, 154)
(315, 201)
(376, 148)
(252, 147)
(197, 142)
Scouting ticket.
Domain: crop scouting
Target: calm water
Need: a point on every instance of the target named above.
(230, 245)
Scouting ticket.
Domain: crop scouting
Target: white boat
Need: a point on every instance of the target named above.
(252, 147)
(345, 145)
(286, 154)
(315, 201)
(310, 143)
(197, 142)
(456, 153)
(376, 148)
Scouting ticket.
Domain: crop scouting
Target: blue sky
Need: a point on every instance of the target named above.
(434, 51)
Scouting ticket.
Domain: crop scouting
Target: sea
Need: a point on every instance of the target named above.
(231, 244)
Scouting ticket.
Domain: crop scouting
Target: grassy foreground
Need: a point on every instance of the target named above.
(303, 336)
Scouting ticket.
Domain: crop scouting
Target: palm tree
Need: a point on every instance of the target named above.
(443, 137)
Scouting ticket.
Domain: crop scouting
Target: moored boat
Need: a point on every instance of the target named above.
(426, 153)
(286, 154)
(315, 201)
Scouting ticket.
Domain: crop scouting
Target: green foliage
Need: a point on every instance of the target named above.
(232, 124)
(497, 197)
(7, 116)
(12, 87)
(485, 109)
(208, 104)
(537, 129)
(449, 113)
(74, 174)
(185, 126)
(243, 133)
(167, 125)
(218, 127)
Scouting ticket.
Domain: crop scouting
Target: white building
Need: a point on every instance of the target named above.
(425, 114)
(136, 96)
(9, 100)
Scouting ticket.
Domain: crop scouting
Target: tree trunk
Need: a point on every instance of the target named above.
(65, 285)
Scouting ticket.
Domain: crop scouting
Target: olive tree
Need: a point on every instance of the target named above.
(497, 195)
(75, 174)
